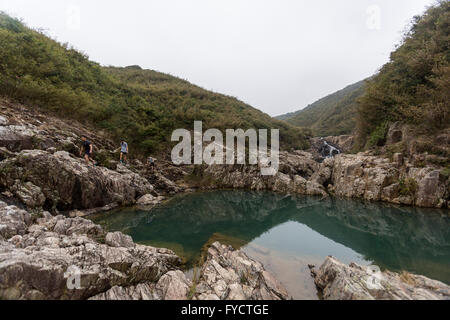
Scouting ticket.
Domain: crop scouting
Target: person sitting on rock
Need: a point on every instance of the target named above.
(123, 151)
(87, 148)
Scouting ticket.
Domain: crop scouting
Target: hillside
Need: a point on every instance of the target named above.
(330, 116)
(141, 106)
(414, 86)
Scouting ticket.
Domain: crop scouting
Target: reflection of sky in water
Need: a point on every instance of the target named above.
(297, 239)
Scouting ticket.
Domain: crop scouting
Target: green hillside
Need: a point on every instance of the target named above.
(142, 106)
(414, 86)
(330, 116)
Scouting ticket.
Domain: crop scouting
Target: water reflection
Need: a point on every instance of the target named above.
(295, 230)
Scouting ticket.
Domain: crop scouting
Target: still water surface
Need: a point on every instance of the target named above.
(286, 233)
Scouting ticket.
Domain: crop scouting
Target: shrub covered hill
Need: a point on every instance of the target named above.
(413, 88)
(330, 116)
(142, 106)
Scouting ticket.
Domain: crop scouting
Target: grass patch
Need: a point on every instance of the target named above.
(378, 136)
(408, 187)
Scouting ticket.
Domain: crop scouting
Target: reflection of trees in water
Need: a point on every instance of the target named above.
(392, 237)
(396, 238)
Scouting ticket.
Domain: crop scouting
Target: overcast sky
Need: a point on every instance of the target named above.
(278, 55)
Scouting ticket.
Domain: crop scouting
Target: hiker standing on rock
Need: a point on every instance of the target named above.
(87, 149)
(123, 151)
(151, 163)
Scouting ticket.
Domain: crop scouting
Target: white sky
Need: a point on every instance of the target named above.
(277, 55)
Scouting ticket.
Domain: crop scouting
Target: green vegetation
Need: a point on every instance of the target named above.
(378, 136)
(193, 287)
(408, 187)
(414, 87)
(446, 172)
(141, 106)
(330, 116)
(399, 147)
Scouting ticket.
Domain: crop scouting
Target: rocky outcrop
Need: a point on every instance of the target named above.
(227, 274)
(119, 240)
(13, 221)
(337, 281)
(148, 201)
(171, 286)
(230, 274)
(53, 144)
(64, 258)
(294, 175)
(380, 179)
(23, 128)
(43, 260)
(15, 138)
(364, 176)
(162, 184)
(63, 182)
(420, 148)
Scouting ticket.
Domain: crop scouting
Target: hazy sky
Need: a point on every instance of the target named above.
(277, 55)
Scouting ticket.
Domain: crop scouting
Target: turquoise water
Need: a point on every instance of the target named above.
(286, 233)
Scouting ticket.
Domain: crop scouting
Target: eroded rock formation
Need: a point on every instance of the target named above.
(42, 258)
(63, 182)
(294, 176)
(37, 259)
(379, 179)
(230, 274)
(363, 176)
(337, 281)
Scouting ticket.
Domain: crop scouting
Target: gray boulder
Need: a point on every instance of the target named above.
(45, 260)
(67, 183)
(119, 240)
(230, 274)
(337, 281)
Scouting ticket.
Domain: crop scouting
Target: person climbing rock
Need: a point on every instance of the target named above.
(87, 149)
(123, 151)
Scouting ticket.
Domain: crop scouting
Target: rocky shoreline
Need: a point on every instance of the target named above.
(40, 169)
(40, 258)
(46, 189)
(360, 176)
(55, 257)
(337, 281)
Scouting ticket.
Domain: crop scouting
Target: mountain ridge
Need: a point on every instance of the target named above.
(334, 114)
(141, 106)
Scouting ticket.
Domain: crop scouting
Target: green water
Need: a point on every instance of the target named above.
(286, 233)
